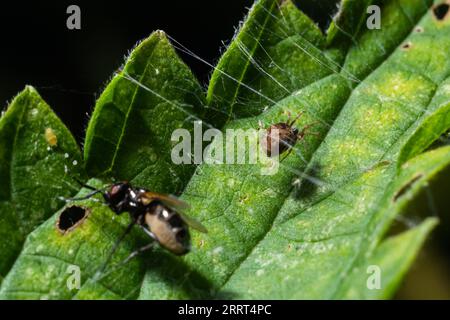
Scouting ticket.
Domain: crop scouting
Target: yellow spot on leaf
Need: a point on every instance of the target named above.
(51, 138)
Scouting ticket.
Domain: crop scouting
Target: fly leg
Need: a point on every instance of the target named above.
(116, 246)
(141, 249)
(149, 233)
(88, 196)
(138, 252)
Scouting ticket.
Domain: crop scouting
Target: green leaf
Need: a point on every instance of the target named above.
(377, 98)
(129, 134)
(129, 137)
(277, 51)
(398, 19)
(328, 258)
(302, 242)
(38, 160)
(49, 256)
(392, 264)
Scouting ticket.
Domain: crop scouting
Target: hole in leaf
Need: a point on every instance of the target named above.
(407, 46)
(419, 29)
(441, 11)
(406, 187)
(70, 218)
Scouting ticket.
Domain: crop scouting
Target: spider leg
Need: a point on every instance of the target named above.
(305, 128)
(287, 154)
(289, 116)
(296, 119)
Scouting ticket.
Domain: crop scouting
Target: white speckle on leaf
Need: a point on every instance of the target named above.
(156, 71)
(75, 162)
(66, 155)
(270, 193)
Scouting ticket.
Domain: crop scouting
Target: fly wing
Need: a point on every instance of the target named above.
(195, 224)
(178, 205)
(170, 201)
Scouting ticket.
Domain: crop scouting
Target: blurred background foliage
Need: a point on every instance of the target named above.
(70, 69)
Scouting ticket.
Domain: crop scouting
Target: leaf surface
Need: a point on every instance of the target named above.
(332, 202)
(129, 134)
(376, 98)
(38, 160)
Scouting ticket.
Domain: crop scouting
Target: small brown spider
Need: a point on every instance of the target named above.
(282, 137)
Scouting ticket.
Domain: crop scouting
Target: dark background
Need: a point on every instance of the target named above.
(70, 68)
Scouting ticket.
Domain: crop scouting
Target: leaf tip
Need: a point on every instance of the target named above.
(157, 36)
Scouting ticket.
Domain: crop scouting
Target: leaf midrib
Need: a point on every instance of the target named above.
(11, 172)
(130, 109)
